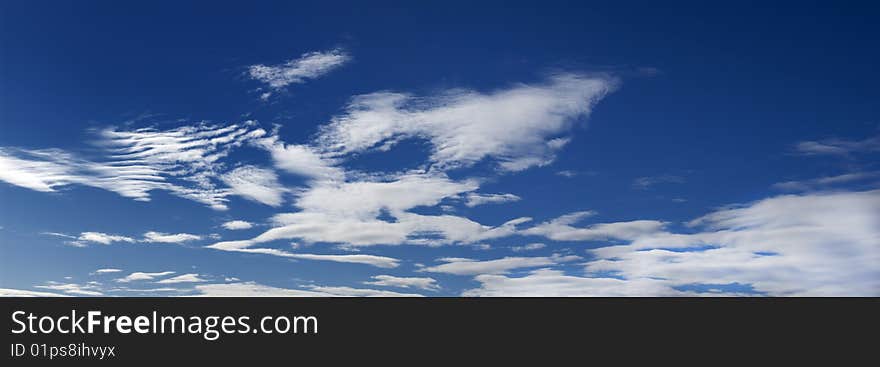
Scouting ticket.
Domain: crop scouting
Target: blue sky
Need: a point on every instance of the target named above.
(444, 149)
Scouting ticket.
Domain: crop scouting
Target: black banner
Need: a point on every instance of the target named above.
(434, 329)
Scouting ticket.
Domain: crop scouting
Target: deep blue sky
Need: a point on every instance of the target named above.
(712, 101)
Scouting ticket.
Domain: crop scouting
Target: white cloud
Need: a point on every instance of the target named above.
(561, 229)
(245, 246)
(474, 199)
(838, 146)
(183, 161)
(360, 292)
(528, 247)
(460, 266)
(170, 238)
(184, 278)
(553, 283)
(644, 183)
(107, 271)
(823, 244)
(8, 292)
(58, 234)
(409, 228)
(301, 160)
(349, 213)
(364, 199)
(143, 276)
(308, 66)
(520, 127)
(824, 182)
(153, 290)
(820, 244)
(251, 289)
(103, 238)
(237, 225)
(257, 184)
(404, 282)
(72, 288)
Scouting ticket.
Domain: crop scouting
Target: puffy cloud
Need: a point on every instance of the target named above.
(143, 276)
(257, 184)
(520, 127)
(462, 266)
(184, 278)
(404, 282)
(474, 199)
(561, 229)
(170, 238)
(234, 225)
(308, 66)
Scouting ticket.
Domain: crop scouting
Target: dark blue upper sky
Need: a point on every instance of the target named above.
(712, 102)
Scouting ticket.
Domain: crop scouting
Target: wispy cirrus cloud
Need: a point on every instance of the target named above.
(257, 184)
(184, 161)
(529, 247)
(245, 246)
(475, 199)
(184, 278)
(159, 237)
(9, 292)
(563, 229)
(819, 244)
(825, 182)
(252, 289)
(137, 276)
(103, 238)
(349, 213)
(309, 65)
(107, 271)
(404, 282)
(838, 147)
(519, 127)
(463, 266)
(555, 283)
(73, 288)
(85, 238)
(644, 183)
